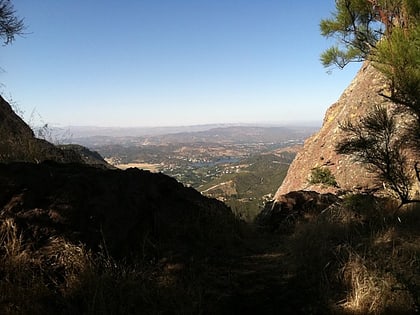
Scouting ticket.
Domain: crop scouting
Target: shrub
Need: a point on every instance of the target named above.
(322, 175)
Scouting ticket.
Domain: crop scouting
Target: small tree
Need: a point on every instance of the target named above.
(360, 25)
(10, 24)
(386, 32)
(377, 142)
(398, 58)
(322, 175)
(355, 28)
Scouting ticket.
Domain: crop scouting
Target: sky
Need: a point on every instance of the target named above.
(150, 63)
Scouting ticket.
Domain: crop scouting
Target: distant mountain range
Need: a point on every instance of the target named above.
(97, 136)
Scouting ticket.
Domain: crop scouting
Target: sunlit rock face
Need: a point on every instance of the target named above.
(319, 150)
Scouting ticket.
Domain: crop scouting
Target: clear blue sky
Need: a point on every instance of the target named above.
(171, 62)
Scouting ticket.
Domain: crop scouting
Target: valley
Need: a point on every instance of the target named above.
(240, 165)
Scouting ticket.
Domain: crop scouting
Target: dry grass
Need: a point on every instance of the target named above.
(19, 286)
(367, 290)
(363, 256)
(360, 257)
(57, 276)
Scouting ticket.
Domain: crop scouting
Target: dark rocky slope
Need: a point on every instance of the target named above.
(126, 213)
(77, 235)
(72, 193)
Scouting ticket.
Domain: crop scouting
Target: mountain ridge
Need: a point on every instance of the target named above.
(87, 131)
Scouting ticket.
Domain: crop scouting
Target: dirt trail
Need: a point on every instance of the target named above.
(261, 283)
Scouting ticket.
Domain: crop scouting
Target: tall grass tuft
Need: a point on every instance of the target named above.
(360, 257)
(21, 286)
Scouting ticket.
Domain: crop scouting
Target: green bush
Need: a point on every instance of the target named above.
(322, 175)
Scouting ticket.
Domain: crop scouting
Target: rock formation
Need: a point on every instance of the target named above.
(11, 125)
(18, 143)
(292, 206)
(319, 150)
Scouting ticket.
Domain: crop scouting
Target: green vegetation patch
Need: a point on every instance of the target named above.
(322, 175)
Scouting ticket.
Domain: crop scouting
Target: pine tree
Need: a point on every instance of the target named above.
(387, 33)
(10, 24)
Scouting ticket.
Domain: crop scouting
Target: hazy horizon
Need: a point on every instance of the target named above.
(294, 123)
(74, 132)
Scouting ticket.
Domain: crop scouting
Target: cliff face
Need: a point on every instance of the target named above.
(319, 149)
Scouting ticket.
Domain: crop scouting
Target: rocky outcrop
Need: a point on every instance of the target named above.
(293, 205)
(319, 150)
(12, 125)
(18, 143)
(87, 156)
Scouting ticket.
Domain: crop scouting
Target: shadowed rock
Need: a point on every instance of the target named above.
(293, 205)
(125, 213)
(18, 143)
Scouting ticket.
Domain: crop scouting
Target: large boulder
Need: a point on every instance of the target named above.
(293, 205)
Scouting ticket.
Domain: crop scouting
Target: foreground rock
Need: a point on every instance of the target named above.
(293, 205)
(123, 213)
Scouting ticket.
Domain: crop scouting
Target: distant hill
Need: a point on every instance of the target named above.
(187, 135)
(93, 131)
(90, 131)
(241, 134)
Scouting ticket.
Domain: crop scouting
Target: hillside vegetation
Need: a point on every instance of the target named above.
(247, 185)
